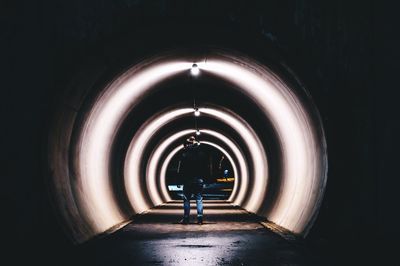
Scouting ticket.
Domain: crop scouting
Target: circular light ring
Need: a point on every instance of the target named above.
(133, 160)
(143, 135)
(93, 189)
(300, 134)
(254, 198)
(303, 149)
(151, 173)
(154, 163)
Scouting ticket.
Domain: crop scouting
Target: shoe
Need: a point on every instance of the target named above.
(184, 221)
(200, 220)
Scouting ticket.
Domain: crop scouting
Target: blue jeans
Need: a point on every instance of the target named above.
(195, 190)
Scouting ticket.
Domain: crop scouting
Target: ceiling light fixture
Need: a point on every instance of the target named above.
(195, 70)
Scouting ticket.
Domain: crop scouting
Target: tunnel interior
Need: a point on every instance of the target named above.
(218, 182)
(59, 57)
(125, 131)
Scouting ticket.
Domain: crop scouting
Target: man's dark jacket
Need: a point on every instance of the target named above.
(193, 164)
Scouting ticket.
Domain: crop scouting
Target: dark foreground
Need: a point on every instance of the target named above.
(229, 236)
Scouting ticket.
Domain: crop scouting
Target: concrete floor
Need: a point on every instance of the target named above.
(229, 236)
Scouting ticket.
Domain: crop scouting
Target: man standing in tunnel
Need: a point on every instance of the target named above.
(193, 170)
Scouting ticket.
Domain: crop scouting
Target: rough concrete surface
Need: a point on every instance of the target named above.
(229, 236)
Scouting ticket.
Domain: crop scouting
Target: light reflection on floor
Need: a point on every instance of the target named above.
(230, 236)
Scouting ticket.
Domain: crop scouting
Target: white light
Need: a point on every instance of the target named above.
(96, 201)
(91, 195)
(158, 195)
(151, 174)
(195, 70)
(258, 159)
(198, 132)
(240, 192)
(197, 112)
(303, 176)
(133, 158)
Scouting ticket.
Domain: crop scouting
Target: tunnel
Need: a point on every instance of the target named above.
(114, 135)
(300, 96)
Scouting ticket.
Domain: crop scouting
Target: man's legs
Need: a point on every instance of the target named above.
(199, 205)
(187, 194)
(199, 199)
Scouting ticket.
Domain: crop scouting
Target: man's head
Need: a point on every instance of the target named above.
(189, 141)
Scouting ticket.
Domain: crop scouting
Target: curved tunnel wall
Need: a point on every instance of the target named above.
(80, 149)
(247, 197)
(160, 162)
(152, 178)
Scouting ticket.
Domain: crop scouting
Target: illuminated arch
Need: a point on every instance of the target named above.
(82, 182)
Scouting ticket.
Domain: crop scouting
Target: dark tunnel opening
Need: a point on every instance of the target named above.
(218, 183)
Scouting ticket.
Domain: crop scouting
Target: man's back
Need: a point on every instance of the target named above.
(193, 163)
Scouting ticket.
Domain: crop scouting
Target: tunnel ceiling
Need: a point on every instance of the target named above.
(108, 154)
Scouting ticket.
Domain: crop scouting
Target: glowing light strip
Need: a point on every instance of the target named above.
(293, 126)
(151, 170)
(304, 157)
(95, 194)
(151, 176)
(163, 170)
(235, 171)
(244, 179)
(133, 160)
(171, 155)
(143, 135)
(258, 159)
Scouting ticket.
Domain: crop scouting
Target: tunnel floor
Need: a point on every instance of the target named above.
(229, 236)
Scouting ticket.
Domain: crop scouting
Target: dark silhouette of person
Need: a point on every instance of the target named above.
(193, 171)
